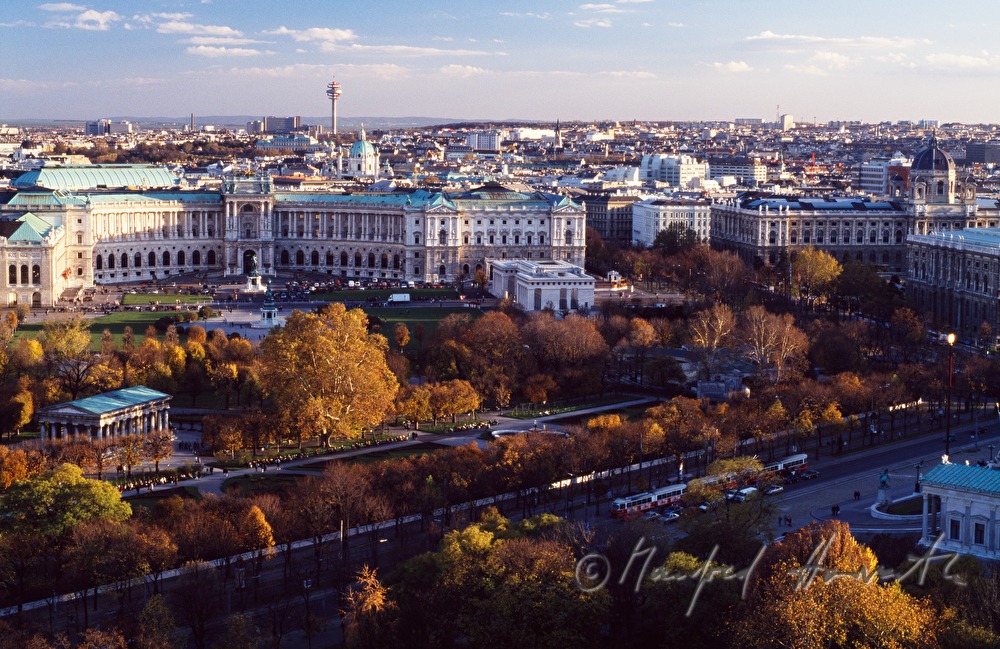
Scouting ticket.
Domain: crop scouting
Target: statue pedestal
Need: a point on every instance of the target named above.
(254, 284)
(883, 496)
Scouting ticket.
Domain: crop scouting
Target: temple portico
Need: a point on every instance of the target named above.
(129, 411)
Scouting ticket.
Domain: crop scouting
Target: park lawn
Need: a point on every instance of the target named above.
(145, 298)
(260, 483)
(116, 323)
(428, 316)
(907, 507)
(382, 294)
(149, 499)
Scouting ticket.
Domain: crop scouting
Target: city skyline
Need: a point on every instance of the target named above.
(623, 59)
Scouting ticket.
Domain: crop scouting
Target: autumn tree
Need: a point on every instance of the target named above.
(66, 348)
(368, 612)
(328, 373)
(711, 332)
(815, 270)
(401, 335)
(819, 588)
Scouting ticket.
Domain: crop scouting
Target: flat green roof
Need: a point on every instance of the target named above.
(108, 402)
(960, 476)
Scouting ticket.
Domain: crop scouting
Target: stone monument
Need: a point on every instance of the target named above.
(254, 282)
(268, 312)
(883, 489)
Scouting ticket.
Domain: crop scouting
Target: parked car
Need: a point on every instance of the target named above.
(774, 489)
(669, 518)
(650, 516)
(672, 509)
(809, 474)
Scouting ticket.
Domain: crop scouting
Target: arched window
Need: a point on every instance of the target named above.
(416, 238)
(517, 239)
(899, 236)
(395, 261)
(196, 257)
(111, 262)
(314, 258)
(529, 239)
(940, 188)
(357, 260)
(872, 236)
(479, 240)
(885, 236)
(138, 261)
(36, 274)
(211, 258)
(371, 260)
(569, 237)
(465, 269)
(465, 240)
(124, 260)
(441, 271)
(442, 237)
(284, 257)
(98, 264)
(861, 237)
(152, 260)
(343, 258)
(180, 258)
(385, 261)
(503, 239)
(541, 239)
(166, 258)
(300, 258)
(329, 258)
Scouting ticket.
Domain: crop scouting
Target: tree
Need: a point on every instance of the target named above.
(401, 335)
(793, 603)
(156, 625)
(815, 270)
(328, 373)
(712, 331)
(677, 238)
(66, 347)
(368, 613)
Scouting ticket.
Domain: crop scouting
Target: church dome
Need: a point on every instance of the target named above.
(932, 158)
(362, 149)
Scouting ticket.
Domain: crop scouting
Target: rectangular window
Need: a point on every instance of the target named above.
(955, 530)
(980, 534)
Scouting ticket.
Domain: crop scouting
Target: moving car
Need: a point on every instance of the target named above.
(669, 518)
(774, 489)
(809, 474)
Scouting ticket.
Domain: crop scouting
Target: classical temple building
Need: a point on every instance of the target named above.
(74, 227)
(960, 505)
(129, 411)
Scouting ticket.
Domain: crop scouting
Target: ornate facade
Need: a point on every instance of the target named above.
(760, 227)
(113, 224)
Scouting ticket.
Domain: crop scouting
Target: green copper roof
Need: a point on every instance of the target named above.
(45, 199)
(27, 228)
(418, 198)
(101, 404)
(83, 177)
(959, 476)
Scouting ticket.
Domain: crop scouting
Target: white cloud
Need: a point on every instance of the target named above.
(96, 20)
(215, 52)
(678, 25)
(602, 8)
(323, 34)
(630, 74)
(463, 71)
(877, 42)
(63, 7)
(23, 86)
(221, 40)
(633, 2)
(180, 27)
(734, 67)
(959, 61)
(18, 23)
(383, 72)
(530, 14)
(593, 22)
(403, 50)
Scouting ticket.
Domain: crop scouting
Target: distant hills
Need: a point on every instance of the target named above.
(240, 121)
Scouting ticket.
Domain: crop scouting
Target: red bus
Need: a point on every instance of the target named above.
(631, 506)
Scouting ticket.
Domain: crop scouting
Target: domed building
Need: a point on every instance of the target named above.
(362, 161)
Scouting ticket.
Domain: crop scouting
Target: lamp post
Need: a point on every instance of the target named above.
(916, 485)
(991, 447)
(947, 412)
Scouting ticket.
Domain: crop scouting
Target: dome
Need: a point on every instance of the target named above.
(932, 158)
(362, 149)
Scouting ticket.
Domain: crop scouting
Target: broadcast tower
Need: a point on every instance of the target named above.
(333, 92)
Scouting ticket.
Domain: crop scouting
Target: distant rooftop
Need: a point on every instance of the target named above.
(109, 402)
(83, 177)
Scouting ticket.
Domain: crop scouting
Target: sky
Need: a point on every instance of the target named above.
(502, 59)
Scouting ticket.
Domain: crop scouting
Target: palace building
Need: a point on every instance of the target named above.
(74, 227)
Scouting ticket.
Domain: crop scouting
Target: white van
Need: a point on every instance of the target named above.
(744, 494)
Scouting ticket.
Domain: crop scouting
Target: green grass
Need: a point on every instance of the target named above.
(428, 316)
(149, 499)
(115, 323)
(142, 298)
(384, 293)
(907, 507)
(260, 483)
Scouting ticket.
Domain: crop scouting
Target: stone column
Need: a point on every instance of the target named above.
(967, 525)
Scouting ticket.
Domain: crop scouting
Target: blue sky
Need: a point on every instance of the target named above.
(518, 59)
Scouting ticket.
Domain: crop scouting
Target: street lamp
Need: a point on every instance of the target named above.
(991, 447)
(916, 485)
(947, 412)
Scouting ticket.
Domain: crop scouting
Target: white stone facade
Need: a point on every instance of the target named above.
(542, 285)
